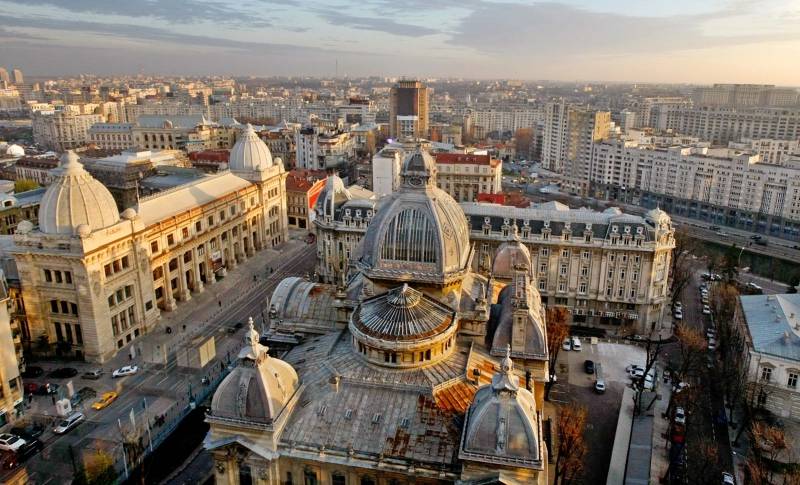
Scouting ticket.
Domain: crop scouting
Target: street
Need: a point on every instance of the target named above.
(163, 390)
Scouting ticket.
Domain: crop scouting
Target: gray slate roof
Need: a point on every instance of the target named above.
(774, 324)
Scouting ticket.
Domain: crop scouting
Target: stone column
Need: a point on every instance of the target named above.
(231, 262)
(198, 282)
(210, 277)
(183, 286)
(169, 300)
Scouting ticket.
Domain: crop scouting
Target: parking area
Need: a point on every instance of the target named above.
(613, 357)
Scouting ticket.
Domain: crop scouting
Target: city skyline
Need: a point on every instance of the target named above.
(692, 42)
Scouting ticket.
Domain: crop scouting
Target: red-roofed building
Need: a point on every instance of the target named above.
(464, 176)
(209, 160)
(302, 190)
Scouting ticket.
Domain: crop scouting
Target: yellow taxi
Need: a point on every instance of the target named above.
(106, 399)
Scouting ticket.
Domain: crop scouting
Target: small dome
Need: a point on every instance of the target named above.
(74, 198)
(510, 255)
(83, 230)
(258, 388)
(501, 425)
(15, 151)
(333, 195)
(657, 217)
(129, 214)
(24, 227)
(250, 153)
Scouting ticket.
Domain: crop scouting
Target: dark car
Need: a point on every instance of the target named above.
(93, 374)
(588, 366)
(32, 371)
(235, 327)
(64, 373)
(29, 449)
(29, 432)
(85, 393)
(31, 387)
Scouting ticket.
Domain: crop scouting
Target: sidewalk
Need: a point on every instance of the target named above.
(659, 463)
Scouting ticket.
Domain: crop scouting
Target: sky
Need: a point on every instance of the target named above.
(699, 41)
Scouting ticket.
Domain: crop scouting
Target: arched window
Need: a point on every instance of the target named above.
(410, 236)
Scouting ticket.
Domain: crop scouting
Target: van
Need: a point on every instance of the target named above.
(600, 382)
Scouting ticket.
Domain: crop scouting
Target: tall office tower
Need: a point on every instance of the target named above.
(18, 78)
(4, 79)
(584, 128)
(408, 110)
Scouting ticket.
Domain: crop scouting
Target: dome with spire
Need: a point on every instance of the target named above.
(420, 232)
(332, 196)
(75, 198)
(501, 426)
(249, 153)
(259, 388)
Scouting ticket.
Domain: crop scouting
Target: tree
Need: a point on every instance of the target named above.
(653, 346)
(98, 470)
(524, 139)
(767, 443)
(793, 282)
(557, 331)
(23, 185)
(681, 266)
(571, 443)
(730, 262)
(691, 349)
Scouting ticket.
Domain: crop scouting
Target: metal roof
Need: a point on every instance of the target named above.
(774, 324)
(403, 314)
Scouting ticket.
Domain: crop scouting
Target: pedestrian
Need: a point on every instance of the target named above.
(53, 397)
(30, 397)
(219, 303)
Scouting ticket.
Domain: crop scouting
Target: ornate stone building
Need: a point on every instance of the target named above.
(94, 279)
(411, 386)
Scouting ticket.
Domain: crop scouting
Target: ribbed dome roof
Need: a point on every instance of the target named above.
(250, 153)
(75, 198)
(501, 422)
(258, 388)
(402, 314)
(332, 196)
(420, 232)
(15, 151)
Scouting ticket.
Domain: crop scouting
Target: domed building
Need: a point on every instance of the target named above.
(410, 388)
(94, 280)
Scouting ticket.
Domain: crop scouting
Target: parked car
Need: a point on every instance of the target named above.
(727, 479)
(64, 373)
(680, 415)
(105, 400)
(711, 333)
(755, 237)
(706, 310)
(678, 305)
(83, 394)
(678, 314)
(567, 344)
(235, 327)
(681, 386)
(29, 449)
(599, 380)
(588, 366)
(31, 388)
(29, 432)
(128, 370)
(712, 344)
(576, 344)
(636, 373)
(11, 442)
(69, 423)
(32, 371)
(93, 374)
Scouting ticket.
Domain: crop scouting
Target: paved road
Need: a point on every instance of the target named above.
(166, 387)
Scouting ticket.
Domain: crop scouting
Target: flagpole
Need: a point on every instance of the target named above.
(124, 456)
(147, 420)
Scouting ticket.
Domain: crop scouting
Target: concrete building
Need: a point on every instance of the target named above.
(37, 168)
(416, 371)
(770, 328)
(189, 133)
(18, 77)
(321, 150)
(745, 95)
(408, 110)
(5, 79)
(584, 129)
(112, 136)
(63, 130)
(720, 125)
(718, 185)
(11, 392)
(772, 152)
(94, 280)
(386, 166)
(465, 176)
(501, 118)
(15, 208)
(554, 136)
(303, 187)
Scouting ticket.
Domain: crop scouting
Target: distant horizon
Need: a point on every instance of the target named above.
(682, 42)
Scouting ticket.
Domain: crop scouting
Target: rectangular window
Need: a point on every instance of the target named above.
(58, 277)
(198, 226)
(565, 253)
(563, 270)
(68, 329)
(131, 316)
(792, 382)
(128, 291)
(78, 334)
(111, 301)
(125, 262)
(68, 277)
(766, 374)
(584, 271)
(73, 308)
(562, 286)
(120, 295)
(54, 306)
(542, 285)
(64, 307)
(48, 276)
(210, 221)
(117, 265)
(582, 288)
(59, 335)
(154, 247)
(171, 239)
(585, 255)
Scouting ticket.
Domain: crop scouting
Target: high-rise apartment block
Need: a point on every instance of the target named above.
(18, 77)
(554, 136)
(408, 110)
(5, 80)
(745, 95)
(63, 130)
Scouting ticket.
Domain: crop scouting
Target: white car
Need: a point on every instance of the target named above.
(68, 423)
(711, 333)
(678, 314)
(567, 344)
(706, 310)
(636, 373)
(727, 479)
(10, 442)
(576, 344)
(680, 415)
(128, 370)
(712, 344)
(678, 305)
(681, 386)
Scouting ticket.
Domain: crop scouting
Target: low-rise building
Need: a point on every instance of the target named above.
(11, 392)
(302, 190)
(465, 176)
(112, 136)
(37, 168)
(321, 150)
(15, 208)
(63, 130)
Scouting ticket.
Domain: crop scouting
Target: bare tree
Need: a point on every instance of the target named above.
(691, 349)
(653, 347)
(681, 266)
(767, 444)
(557, 331)
(572, 446)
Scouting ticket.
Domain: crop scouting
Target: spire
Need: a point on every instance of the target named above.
(505, 380)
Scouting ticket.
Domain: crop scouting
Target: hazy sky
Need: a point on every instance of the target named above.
(615, 40)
